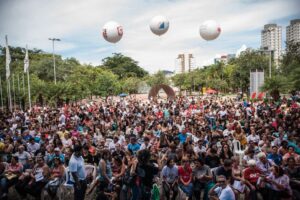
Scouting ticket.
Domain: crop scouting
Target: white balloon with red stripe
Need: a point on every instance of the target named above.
(112, 32)
(210, 30)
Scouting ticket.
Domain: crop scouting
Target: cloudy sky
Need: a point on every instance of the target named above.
(78, 23)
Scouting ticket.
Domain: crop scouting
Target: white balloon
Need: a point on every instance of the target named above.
(210, 30)
(159, 25)
(112, 32)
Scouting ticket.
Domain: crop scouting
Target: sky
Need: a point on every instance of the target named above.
(79, 23)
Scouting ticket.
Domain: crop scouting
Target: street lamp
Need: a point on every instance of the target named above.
(53, 40)
(270, 59)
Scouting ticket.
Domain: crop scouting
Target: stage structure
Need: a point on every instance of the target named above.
(155, 89)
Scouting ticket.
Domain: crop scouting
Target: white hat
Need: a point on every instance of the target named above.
(56, 149)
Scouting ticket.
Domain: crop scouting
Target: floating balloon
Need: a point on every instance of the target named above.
(210, 30)
(112, 32)
(159, 25)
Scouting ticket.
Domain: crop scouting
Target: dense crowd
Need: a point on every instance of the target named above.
(191, 148)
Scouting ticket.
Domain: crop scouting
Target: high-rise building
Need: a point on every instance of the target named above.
(184, 63)
(271, 40)
(293, 31)
(191, 64)
(181, 69)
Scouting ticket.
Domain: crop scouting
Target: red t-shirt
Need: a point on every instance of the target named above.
(252, 175)
(185, 174)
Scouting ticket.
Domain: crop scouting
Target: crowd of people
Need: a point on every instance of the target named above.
(190, 147)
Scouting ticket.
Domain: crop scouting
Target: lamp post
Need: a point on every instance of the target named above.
(53, 40)
(270, 60)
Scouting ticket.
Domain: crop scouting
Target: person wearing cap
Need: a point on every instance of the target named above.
(78, 173)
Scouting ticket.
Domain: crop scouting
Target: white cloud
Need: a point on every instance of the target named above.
(79, 23)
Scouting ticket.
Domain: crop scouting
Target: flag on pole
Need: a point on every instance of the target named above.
(26, 61)
(8, 59)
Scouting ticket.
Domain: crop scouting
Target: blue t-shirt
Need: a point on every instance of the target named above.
(276, 158)
(182, 137)
(134, 147)
(166, 114)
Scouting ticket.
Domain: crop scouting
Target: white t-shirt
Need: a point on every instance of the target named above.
(76, 164)
(254, 138)
(225, 194)
(32, 148)
(22, 157)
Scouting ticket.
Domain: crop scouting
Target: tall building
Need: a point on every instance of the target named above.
(271, 40)
(293, 31)
(181, 57)
(191, 62)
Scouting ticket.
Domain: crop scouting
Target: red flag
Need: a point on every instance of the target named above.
(253, 95)
(261, 95)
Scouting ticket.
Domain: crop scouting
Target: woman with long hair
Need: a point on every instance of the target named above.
(225, 153)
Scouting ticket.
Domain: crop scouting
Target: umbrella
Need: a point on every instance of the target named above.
(123, 95)
(211, 91)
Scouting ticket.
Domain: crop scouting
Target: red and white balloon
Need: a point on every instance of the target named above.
(112, 32)
(210, 30)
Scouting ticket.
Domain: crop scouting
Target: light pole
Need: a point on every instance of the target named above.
(270, 60)
(53, 40)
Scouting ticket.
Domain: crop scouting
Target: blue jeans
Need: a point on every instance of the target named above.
(187, 189)
(135, 192)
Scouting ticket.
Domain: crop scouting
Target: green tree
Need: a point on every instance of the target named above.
(130, 85)
(123, 66)
(248, 60)
(157, 79)
(275, 85)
